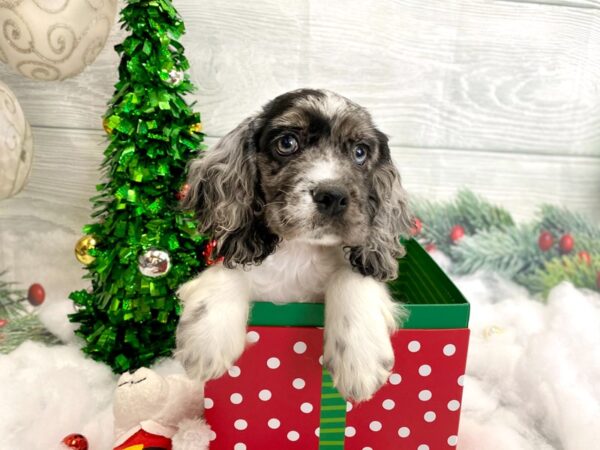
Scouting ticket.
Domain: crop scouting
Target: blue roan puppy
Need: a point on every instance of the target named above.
(306, 205)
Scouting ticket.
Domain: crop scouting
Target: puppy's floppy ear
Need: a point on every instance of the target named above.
(226, 196)
(388, 208)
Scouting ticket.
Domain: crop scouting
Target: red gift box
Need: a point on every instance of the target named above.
(278, 396)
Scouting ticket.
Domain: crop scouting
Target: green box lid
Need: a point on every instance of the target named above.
(432, 300)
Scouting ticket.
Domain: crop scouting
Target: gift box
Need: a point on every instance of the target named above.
(278, 396)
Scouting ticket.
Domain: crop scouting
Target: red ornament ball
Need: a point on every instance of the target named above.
(3, 322)
(456, 233)
(566, 243)
(75, 442)
(430, 248)
(36, 294)
(417, 227)
(585, 257)
(545, 241)
(183, 192)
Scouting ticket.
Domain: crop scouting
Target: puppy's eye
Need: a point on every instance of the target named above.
(360, 154)
(286, 145)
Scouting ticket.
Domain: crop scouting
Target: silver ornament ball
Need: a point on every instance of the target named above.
(176, 77)
(154, 263)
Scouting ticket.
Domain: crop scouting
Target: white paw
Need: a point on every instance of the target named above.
(212, 330)
(359, 365)
(207, 352)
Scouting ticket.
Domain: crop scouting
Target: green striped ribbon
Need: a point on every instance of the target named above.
(332, 425)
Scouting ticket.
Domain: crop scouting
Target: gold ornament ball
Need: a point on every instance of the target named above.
(196, 128)
(106, 126)
(83, 246)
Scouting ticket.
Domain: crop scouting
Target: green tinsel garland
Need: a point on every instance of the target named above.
(127, 319)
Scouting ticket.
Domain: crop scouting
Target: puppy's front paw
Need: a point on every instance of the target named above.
(359, 367)
(208, 352)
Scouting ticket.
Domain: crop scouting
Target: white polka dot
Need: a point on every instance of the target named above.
(367, 448)
(252, 337)
(449, 349)
(348, 406)
(429, 416)
(239, 446)
(414, 346)
(425, 370)
(293, 436)
(273, 423)
(403, 432)
(273, 363)
(395, 378)
(388, 404)
(461, 380)
(212, 435)
(306, 407)
(350, 431)
(298, 383)
(236, 398)
(300, 347)
(423, 447)
(234, 371)
(453, 405)
(208, 403)
(317, 431)
(453, 440)
(321, 359)
(264, 395)
(425, 395)
(240, 424)
(375, 425)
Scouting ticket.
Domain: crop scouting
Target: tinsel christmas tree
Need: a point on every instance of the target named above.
(141, 247)
(558, 246)
(18, 320)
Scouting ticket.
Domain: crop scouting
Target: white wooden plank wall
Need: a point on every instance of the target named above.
(499, 96)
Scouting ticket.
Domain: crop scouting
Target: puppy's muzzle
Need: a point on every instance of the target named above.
(331, 201)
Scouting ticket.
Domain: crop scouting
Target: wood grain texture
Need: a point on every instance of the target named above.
(65, 173)
(566, 3)
(456, 74)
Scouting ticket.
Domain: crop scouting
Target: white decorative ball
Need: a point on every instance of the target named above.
(16, 145)
(53, 39)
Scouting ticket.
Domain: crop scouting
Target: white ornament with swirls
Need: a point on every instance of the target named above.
(53, 39)
(16, 146)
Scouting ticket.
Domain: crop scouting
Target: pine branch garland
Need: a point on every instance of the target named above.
(19, 322)
(470, 211)
(508, 251)
(560, 245)
(566, 268)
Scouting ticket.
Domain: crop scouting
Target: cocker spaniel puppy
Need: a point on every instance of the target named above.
(306, 205)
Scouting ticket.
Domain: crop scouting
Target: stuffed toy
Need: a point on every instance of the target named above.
(159, 413)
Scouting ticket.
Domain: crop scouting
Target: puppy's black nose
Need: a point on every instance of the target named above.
(330, 201)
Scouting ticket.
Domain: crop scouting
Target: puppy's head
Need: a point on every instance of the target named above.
(310, 166)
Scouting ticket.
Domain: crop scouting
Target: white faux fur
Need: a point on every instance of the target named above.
(192, 435)
(360, 314)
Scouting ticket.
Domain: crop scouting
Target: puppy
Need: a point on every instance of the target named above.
(306, 205)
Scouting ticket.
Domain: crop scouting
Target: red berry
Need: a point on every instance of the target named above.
(3, 322)
(456, 233)
(76, 442)
(36, 294)
(430, 248)
(566, 243)
(545, 241)
(585, 257)
(417, 227)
